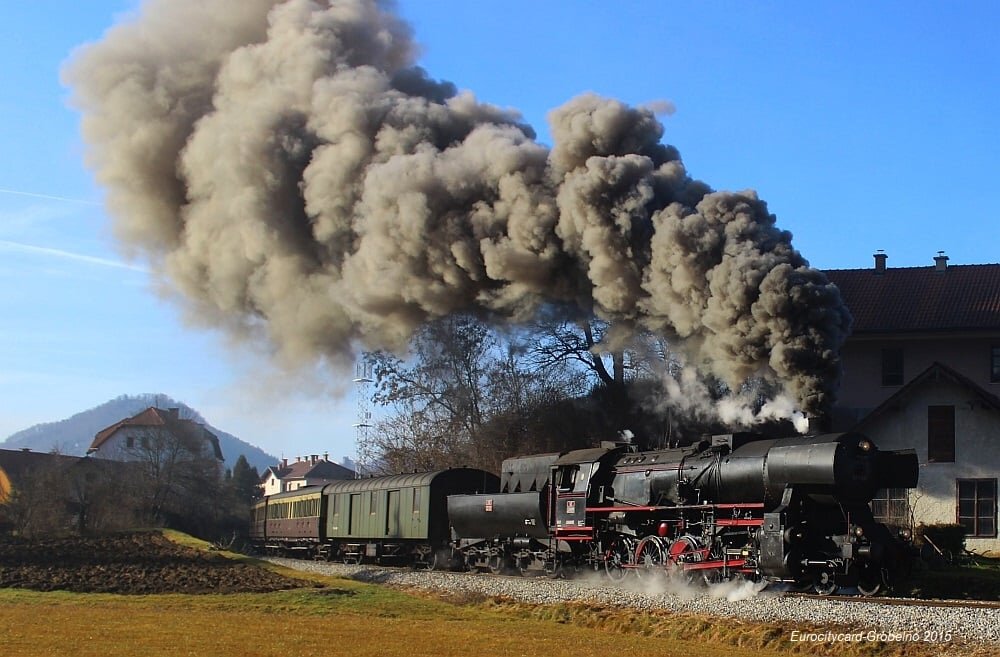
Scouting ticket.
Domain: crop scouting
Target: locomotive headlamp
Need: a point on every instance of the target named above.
(859, 531)
(865, 445)
(905, 534)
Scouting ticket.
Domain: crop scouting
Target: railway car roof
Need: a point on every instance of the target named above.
(582, 456)
(305, 491)
(407, 480)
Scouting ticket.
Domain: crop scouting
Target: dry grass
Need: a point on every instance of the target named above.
(348, 618)
(344, 617)
(350, 621)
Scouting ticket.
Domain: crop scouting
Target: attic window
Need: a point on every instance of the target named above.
(941, 434)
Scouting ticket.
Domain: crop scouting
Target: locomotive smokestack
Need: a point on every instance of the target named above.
(292, 175)
(818, 425)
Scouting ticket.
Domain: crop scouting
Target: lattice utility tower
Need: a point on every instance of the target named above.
(363, 449)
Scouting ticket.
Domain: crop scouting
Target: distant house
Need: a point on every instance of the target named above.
(922, 370)
(305, 471)
(155, 430)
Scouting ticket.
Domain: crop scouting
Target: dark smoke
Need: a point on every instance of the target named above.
(291, 173)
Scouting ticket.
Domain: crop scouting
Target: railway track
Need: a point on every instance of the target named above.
(593, 578)
(907, 602)
(891, 620)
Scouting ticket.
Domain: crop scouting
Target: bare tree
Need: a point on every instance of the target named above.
(438, 394)
(36, 504)
(412, 440)
(469, 395)
(175, 476)
(625, 370)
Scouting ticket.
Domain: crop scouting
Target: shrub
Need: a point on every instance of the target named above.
(949, 538)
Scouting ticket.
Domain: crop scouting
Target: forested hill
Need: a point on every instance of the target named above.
(74, 434)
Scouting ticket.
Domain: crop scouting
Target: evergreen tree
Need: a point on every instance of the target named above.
(245, 481)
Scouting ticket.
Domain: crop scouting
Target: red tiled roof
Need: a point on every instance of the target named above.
(158, 417)
(308, 470)
(961, 297)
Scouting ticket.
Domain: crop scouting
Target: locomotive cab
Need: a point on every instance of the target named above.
(581, 480)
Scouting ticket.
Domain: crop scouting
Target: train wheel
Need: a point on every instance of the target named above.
(495, 564)
(554, 568)
(685, 550)
(870, 580)
(650, 557)
(801, 585)
(439, 560)
(824, 583)
(618, 556)
(711, 577)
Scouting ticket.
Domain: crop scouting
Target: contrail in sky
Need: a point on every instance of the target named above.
(49, 196)
(69, 255)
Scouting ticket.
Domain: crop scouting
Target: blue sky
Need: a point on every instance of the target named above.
(864, 125)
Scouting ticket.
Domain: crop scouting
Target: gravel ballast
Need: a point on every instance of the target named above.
(893, 623)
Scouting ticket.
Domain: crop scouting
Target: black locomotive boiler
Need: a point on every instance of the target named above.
(793, 510)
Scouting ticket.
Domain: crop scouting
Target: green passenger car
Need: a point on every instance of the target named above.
(399, 517)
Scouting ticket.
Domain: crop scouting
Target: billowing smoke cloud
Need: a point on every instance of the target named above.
(293, 175)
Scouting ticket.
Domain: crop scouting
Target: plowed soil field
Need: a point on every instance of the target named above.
(134, 563)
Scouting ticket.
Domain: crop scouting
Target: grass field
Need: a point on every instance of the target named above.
(344, 617)
(348, 618)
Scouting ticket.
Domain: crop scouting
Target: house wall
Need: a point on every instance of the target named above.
(114, 448)
(272, 485)
(977, 450)
(861, 385)
(117, 448)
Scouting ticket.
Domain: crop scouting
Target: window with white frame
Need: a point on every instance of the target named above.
(891, 506)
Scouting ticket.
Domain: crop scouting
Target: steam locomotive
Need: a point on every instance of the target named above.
(792, 509)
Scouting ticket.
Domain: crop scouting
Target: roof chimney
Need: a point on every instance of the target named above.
(326, 456)
(880, 258)
(284, 463)
(940, 261)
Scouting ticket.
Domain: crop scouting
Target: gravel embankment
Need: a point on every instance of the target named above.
(894, 623)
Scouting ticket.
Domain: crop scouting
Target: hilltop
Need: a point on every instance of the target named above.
(73, 435)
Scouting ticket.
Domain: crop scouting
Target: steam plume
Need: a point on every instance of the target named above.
(290, 172)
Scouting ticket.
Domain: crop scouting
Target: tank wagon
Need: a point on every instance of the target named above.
(393, 519)
(793, 510)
